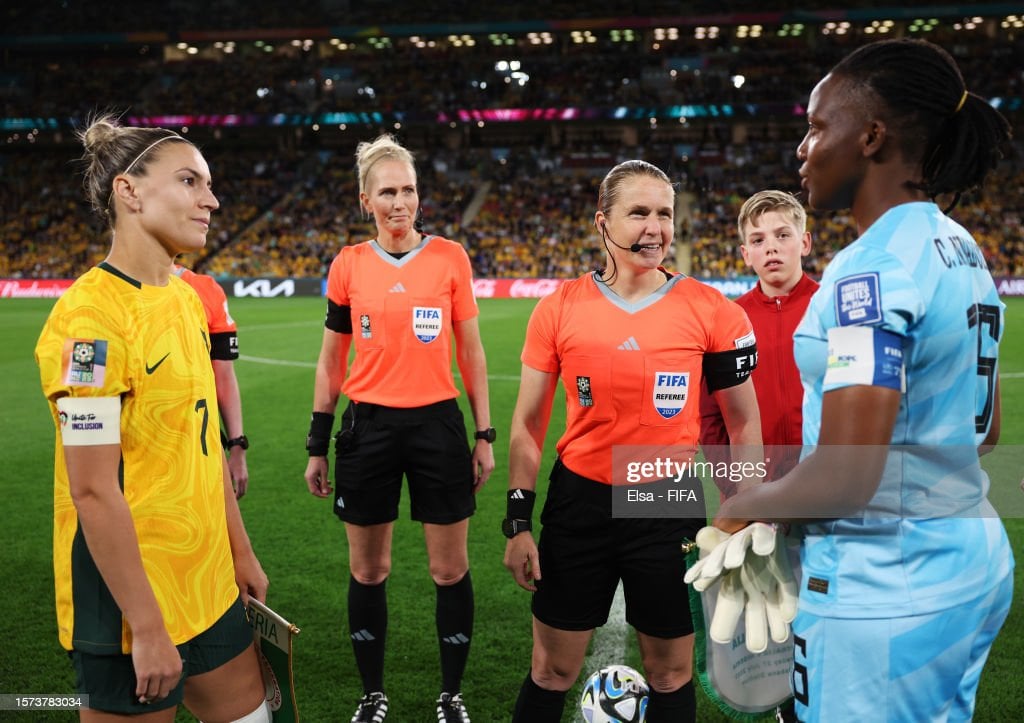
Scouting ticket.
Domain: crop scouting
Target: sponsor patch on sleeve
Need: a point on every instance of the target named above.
(84, 362)
(858, 300)
(746, 340)
(89, 421)
(865, 355)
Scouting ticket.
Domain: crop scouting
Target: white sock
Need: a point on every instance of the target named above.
(260, 715)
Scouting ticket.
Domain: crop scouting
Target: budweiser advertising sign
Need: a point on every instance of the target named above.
(33, 288)
(515, 288)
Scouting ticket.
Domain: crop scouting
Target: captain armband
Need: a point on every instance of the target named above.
(89, 421)
(724, 369)
(864, 355)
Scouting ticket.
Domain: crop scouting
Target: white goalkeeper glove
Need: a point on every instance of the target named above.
(771, 596)
(784, 592)
(729, 606)
(712, 543)
(757, 536)
(756, 618)
(758, 584)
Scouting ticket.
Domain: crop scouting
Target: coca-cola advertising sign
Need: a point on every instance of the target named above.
(515, 288)
(33, 288)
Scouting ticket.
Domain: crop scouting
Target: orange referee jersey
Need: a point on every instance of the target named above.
(632, 372)
(223, 331)
(402, 315)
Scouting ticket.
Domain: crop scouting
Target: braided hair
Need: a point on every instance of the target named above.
(956, 135)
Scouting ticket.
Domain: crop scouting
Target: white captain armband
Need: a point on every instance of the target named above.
(89, 421)
(864, 355)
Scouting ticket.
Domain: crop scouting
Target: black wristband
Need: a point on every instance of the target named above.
(318, 441)
(519, 505)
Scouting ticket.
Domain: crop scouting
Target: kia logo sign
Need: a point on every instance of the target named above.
(263, 288)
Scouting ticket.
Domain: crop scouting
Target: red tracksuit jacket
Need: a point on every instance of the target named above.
(776, 378)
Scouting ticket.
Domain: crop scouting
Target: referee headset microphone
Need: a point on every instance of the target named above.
(635, 248)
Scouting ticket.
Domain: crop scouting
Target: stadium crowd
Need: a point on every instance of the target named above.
(522, 214)
(423, 76)
(515, 197)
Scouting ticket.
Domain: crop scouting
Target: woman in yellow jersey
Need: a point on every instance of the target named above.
(152, 561)
(633, 344)
(400, 298)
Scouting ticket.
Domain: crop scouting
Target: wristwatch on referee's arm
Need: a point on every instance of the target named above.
(239, 441)
(487, 435)
(511, 528)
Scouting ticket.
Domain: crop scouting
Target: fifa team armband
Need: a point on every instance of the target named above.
(724, 369)
(318, 441)
(339, 318)
(89, 421)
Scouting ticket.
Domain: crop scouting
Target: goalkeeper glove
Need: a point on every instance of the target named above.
(757, 536)
(708, 569)
(728, 608)
(771, 596)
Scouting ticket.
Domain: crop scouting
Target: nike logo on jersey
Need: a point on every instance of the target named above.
(629, 345)
(397, 289)
(151, 369)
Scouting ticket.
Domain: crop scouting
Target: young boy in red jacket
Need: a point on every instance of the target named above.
(774, 238)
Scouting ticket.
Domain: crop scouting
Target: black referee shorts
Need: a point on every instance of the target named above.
(584, 552)
(378, 445)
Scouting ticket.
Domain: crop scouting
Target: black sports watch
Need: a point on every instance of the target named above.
(488, 435)
(239, 441)
(511, 528)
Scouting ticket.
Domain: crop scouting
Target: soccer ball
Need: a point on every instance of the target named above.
(615, 694)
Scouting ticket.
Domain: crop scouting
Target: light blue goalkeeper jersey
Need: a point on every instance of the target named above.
(909, 305)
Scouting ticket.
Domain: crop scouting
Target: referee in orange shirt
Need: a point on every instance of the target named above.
(632, 344)
(223, 352)
(399, 298)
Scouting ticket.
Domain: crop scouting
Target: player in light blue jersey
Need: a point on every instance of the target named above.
(907, 572)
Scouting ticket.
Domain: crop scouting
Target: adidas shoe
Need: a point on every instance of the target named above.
(451, 709)
(373, 707)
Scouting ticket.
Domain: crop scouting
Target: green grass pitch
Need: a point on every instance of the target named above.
(301, 544)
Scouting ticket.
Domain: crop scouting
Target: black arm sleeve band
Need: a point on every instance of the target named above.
(224, 346)
(339, 318)
(724, 369)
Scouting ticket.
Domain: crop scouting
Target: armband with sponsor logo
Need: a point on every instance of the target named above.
(864, 355)
(724, 369)
(89, 421)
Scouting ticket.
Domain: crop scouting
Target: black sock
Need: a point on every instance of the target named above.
(536, 705)
(454, 618)
(679, 706)
(368, 627)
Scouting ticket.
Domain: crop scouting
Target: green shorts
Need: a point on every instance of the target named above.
(109, 680)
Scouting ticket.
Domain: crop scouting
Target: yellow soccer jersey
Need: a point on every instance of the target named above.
(110, 336)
